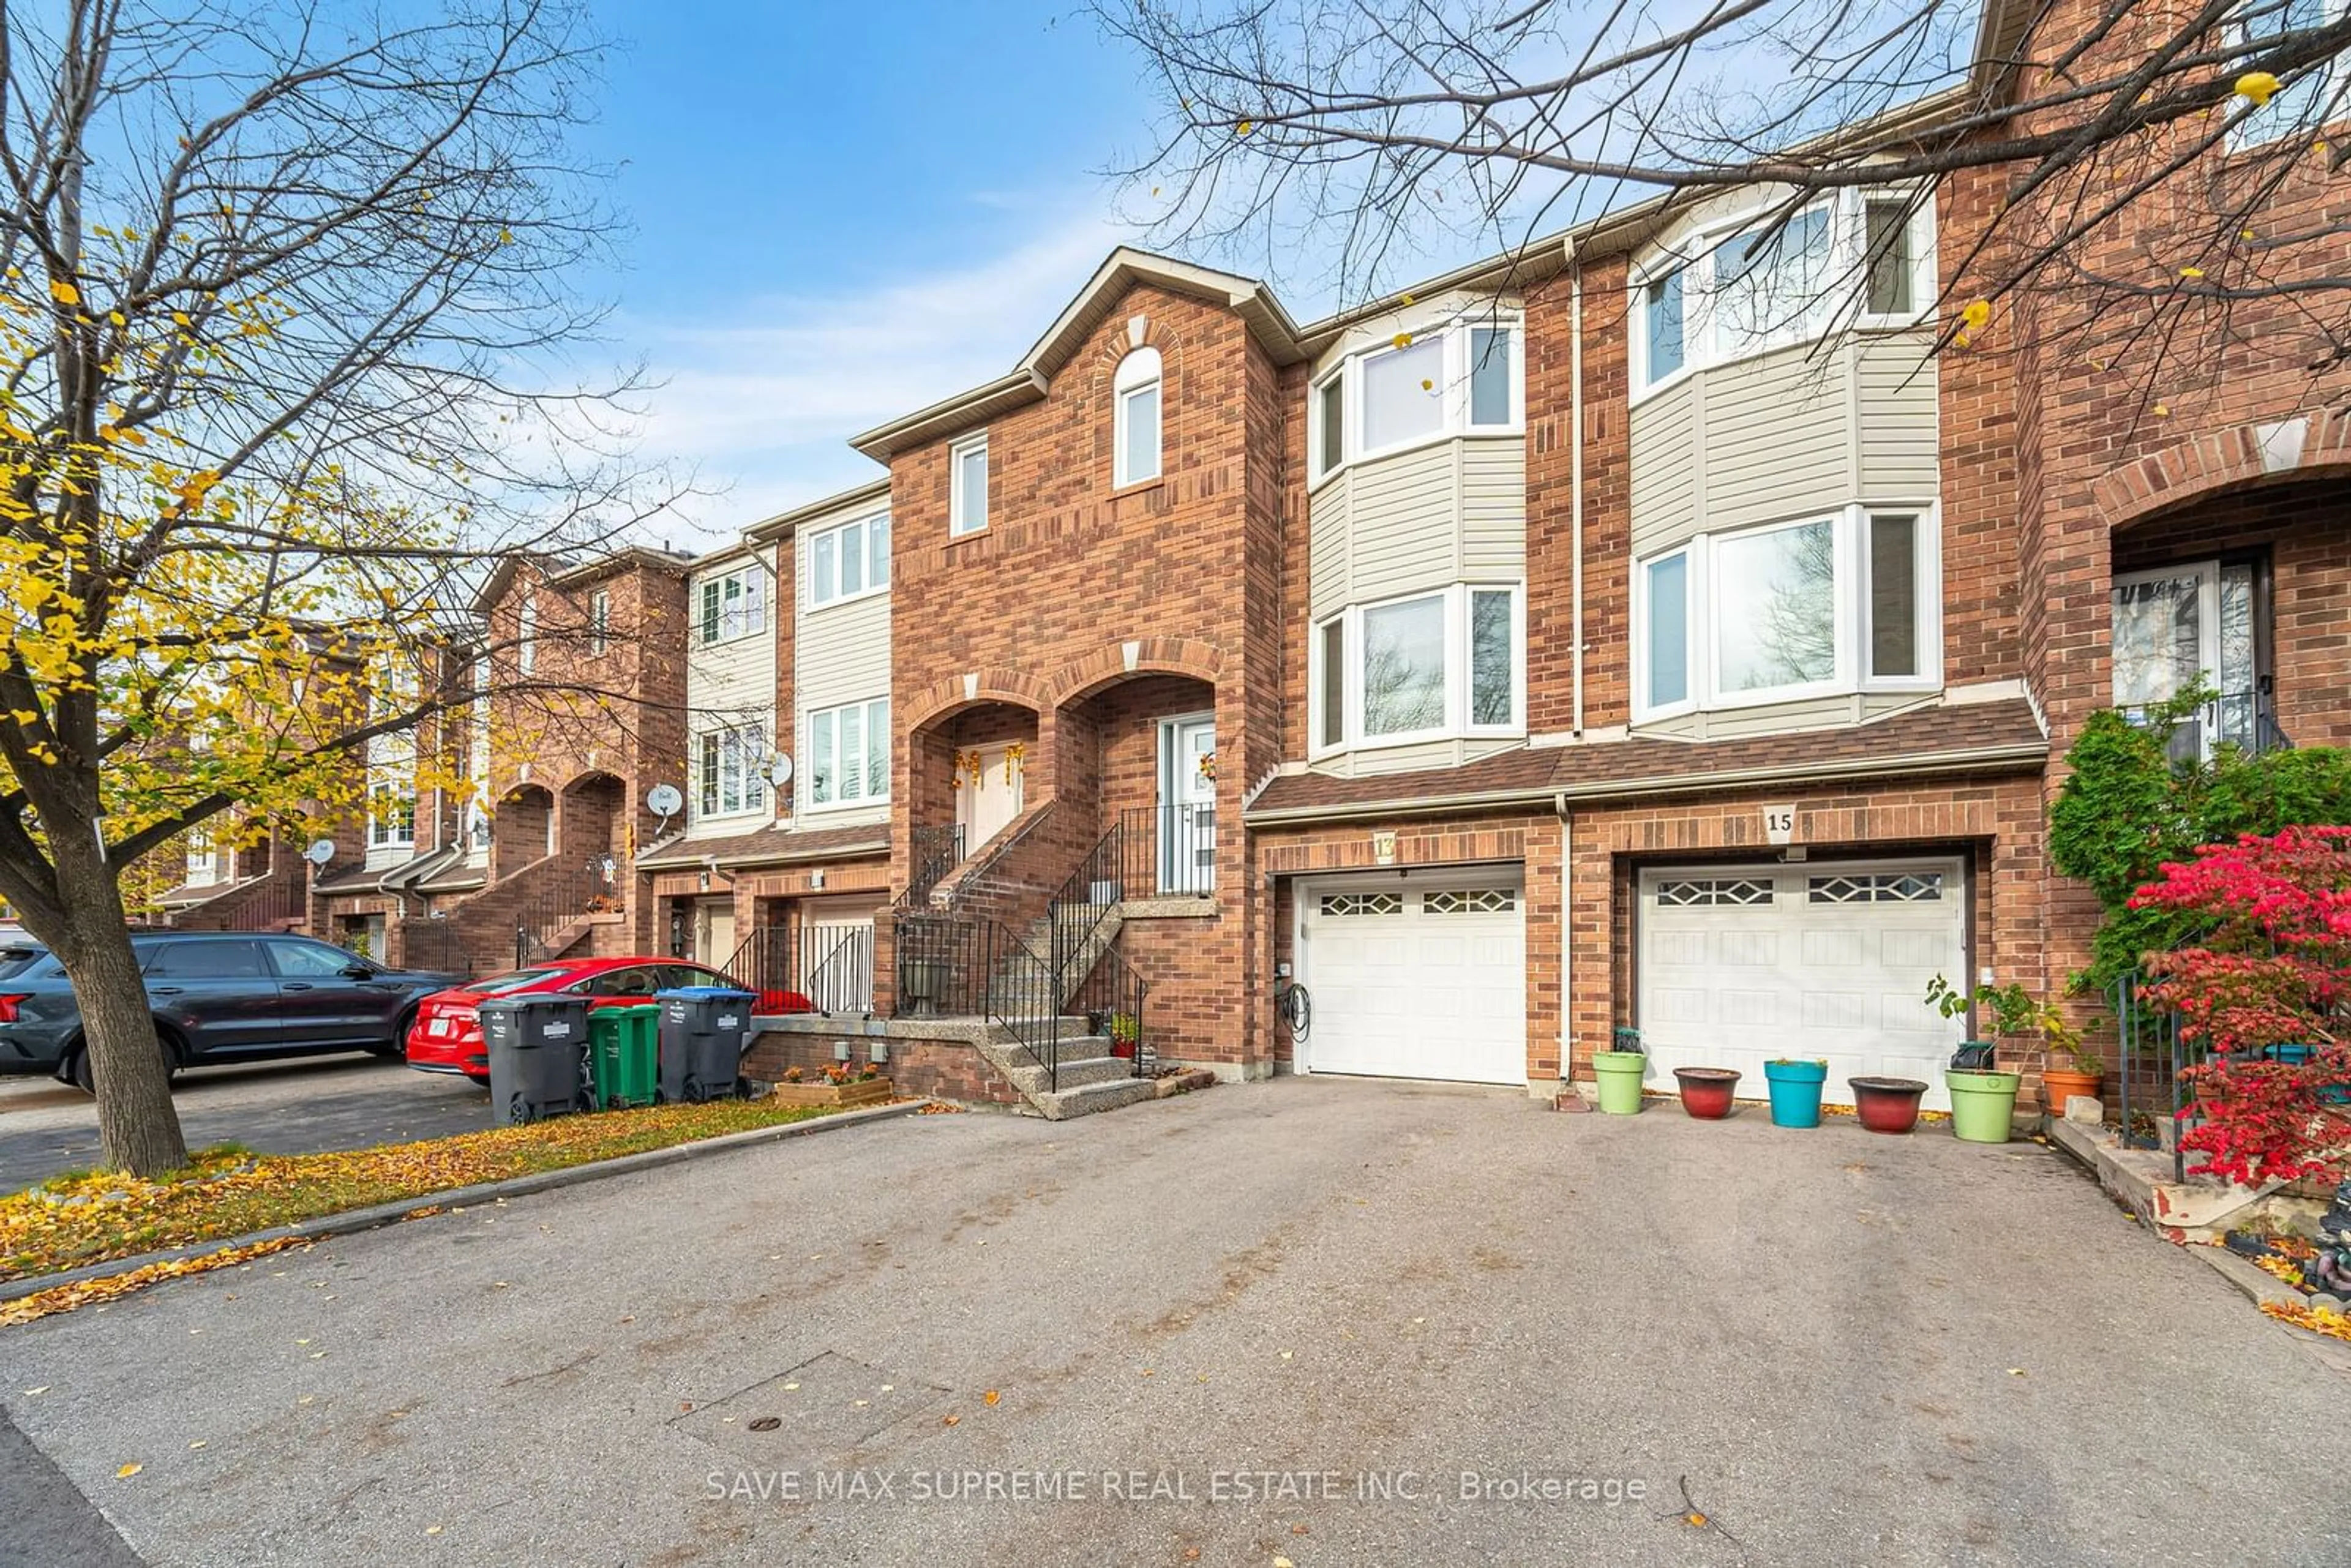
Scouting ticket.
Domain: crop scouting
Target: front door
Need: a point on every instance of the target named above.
(990, 787)
(1188, 804)
(714, 933)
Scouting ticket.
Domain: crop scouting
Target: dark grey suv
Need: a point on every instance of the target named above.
(218, 997)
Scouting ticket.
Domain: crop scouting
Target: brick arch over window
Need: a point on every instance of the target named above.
(942, 699)
(1118, 340)
(1151, 656)
(2305, 446)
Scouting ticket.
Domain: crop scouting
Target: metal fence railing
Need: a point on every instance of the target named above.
(2149, 1097)
(822, 967)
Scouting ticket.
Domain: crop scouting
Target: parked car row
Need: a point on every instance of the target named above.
(222, 997)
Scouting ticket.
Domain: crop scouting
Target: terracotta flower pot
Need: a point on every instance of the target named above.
(1886, 1104)
(1706, 1090)
(2060, 1084)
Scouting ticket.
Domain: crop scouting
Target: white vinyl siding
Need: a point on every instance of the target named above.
(730, 687)
(841, 655)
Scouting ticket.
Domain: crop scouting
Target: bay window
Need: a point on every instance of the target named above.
(849, 754)
(1423, 667)
(849, 561)
(1818, 606)
(732, 774)
(1461, 377)
(1727, 292)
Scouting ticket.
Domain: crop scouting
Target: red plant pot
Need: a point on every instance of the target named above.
(1886, 1104)
(1706, 1090)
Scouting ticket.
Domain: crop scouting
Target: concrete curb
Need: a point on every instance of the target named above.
(2263, 1286)
(351, 1221)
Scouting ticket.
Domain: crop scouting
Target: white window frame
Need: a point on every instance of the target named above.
(1143, 370)
(384, 835)
(960, 523)
(1850, 601)
(1459, 652)
(745, 614)
(748, 754)
(824, 596)
(873, 708)
(526, 635)
(1456, 327)
(203, 857)
(599, 620)
(1843, 306)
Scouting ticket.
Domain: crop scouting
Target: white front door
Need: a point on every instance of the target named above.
(1746, 964)
(714, 933)
(990, 784)
(1188, 804)
(1419, 978)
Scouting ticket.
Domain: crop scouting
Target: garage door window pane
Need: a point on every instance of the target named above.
(1403, 394)
(1668, 631)
(1403, 667)
(1775, 623)
(1353, 903)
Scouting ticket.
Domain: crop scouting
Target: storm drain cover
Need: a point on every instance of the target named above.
(824, 1408)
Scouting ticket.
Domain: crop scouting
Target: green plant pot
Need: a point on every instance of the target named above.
(1984, 1104)
(1619, 1072)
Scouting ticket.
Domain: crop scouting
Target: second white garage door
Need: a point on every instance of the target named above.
(1426, 978)
(1740, 964)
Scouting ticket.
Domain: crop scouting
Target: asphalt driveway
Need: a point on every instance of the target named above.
(1279, 1322)
(302, 1106)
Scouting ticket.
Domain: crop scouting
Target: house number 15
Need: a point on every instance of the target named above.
(1780, 823)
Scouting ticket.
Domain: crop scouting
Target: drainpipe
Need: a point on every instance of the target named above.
(1575, 473)
(1566, 940)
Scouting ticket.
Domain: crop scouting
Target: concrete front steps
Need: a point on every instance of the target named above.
(1091, 1079)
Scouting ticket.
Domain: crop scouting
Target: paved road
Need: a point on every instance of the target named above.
(1857, 1349)
(279, 1107)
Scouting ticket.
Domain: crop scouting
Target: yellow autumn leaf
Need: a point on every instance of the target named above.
(127, 1472)
(1977, 312)
(64, 293)
(1402, 340)
(2257, 88)
(2191, 272)
(991, 1398)
(1244, 127)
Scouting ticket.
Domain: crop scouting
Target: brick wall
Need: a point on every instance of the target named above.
(941, 1069)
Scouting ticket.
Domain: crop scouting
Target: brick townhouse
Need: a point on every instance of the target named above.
(1589, 639)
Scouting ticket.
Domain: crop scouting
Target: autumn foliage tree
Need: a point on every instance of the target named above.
(286, 334)
(2264, 989)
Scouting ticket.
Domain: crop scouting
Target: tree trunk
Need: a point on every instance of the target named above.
(138, 1129)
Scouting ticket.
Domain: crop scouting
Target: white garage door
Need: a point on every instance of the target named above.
(1424, 979)
(1740, 964)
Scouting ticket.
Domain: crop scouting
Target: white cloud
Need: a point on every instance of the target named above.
(760, 404)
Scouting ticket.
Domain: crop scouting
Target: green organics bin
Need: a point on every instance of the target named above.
(625, 1054)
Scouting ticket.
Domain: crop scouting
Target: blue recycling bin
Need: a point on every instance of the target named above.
(705, 1032)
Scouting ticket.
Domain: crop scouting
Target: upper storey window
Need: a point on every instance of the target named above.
(1135, 443)
(1732, 290)
(731, 606)
(968, 486)
(849, 561)
(1459, 377)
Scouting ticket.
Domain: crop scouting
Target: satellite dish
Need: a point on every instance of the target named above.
(663, 801)
(780, 771)
(320, 852)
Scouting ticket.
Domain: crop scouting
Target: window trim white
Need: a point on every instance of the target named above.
(751, 579)
(526, 635)
(600, 621)
(1458, 654)
(814, 806)
(1135, 375)
(397, 790)
(957, 528)
(838, 533)
(1850, 599)
(751, 770)
(1844, 306)
(1456, 326)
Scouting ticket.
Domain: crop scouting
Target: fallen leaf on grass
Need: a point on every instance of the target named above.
(65, 1297)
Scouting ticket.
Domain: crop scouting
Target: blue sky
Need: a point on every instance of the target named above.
(841, 211)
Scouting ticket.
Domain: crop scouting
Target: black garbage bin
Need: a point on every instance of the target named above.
(705, 1030)
(538, 1057)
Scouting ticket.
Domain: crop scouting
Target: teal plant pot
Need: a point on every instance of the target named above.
(1795, 1091)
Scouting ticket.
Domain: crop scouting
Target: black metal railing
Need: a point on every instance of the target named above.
(2245, 719)
(823, 968)
(1112, 997)
(936, 849)
(2149, 1094)
(966, 965)
(562, 899)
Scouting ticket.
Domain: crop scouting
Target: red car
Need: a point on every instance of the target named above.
(447, 1034)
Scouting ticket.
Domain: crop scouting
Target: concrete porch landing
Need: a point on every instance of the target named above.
(2198, 1209)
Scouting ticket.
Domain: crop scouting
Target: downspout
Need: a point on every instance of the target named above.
(1566, 941)
(1576, 476)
